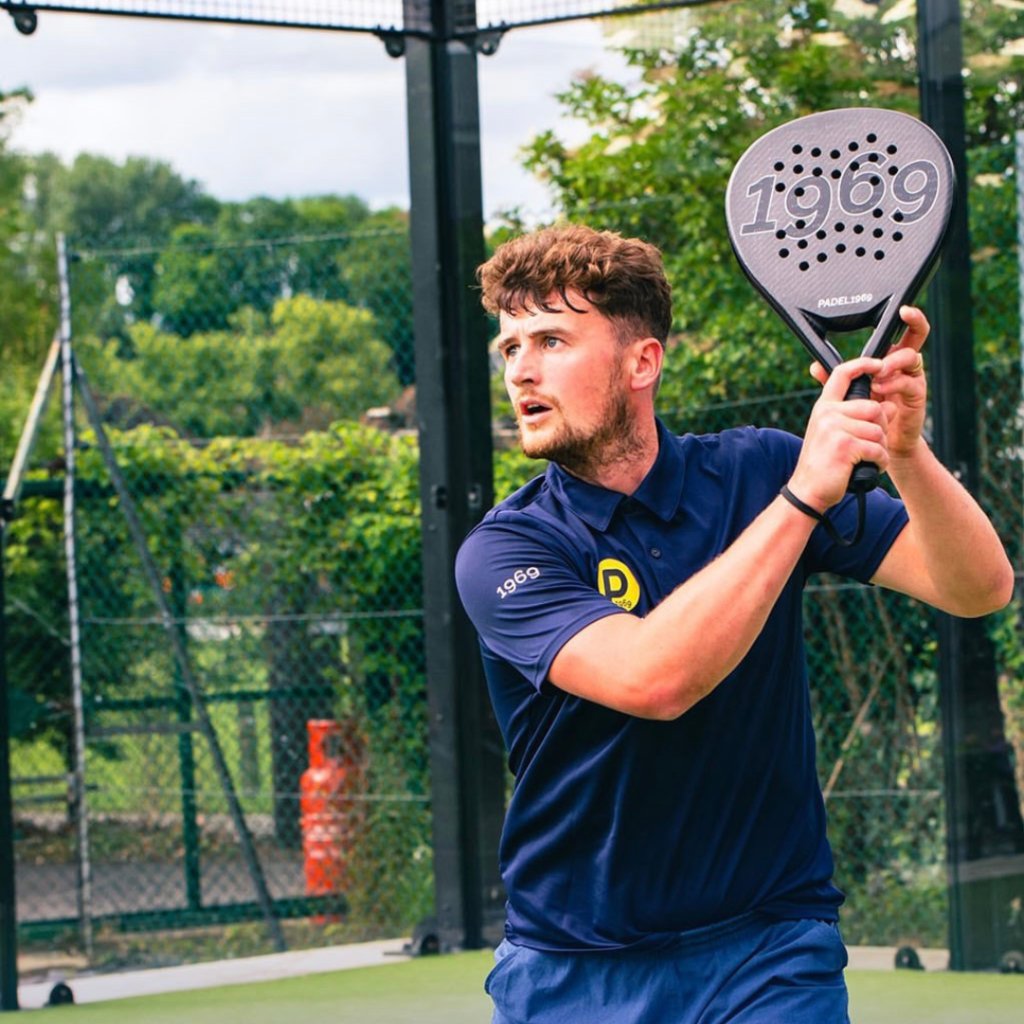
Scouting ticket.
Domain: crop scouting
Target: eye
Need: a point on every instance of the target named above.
(551, 341)
(508, 351)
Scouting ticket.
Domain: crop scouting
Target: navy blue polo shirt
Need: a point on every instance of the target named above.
(620, 831)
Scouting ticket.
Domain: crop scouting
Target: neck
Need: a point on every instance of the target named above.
(621, 465)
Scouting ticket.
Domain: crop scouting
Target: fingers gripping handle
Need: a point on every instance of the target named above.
(865, 474)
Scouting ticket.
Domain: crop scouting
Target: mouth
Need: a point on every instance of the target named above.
(530, 409)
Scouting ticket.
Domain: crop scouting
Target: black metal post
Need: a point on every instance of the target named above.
(456, 483)
(8, 904)
(8, 503)
(985, 836)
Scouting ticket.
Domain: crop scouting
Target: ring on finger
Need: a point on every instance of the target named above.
(918, 368)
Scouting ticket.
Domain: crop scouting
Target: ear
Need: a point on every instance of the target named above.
(647, 357)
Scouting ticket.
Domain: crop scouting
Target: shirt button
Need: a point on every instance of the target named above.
(655, 552)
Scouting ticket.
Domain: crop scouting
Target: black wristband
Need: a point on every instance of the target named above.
(802, 505)
(818, 517)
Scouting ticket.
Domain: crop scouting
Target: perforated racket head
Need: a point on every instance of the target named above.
(838, 219)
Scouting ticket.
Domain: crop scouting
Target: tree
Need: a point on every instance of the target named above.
(377, 275)
(130, 209)
(328, 247)
(660, 152)
(196, 286)
(304, 366)
(137, 203)
(26, 265)
(330, 361)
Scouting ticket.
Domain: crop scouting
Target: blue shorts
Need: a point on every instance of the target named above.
(753, 970)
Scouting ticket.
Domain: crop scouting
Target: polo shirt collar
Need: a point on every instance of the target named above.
(660, 491)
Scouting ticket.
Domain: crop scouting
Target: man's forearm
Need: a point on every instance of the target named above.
(686, 646)
(951, 555)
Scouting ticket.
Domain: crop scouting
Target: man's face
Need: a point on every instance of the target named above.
(565, 374)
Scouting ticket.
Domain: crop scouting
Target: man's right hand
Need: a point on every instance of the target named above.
(840, 434)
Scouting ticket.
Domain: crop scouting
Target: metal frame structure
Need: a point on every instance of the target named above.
(456, 484)
(8, 507)
(393, 20)
(440, 40)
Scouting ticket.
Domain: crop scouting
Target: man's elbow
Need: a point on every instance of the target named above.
(1004, 590)
(993, 597)
(1008, 586)
(667, 701)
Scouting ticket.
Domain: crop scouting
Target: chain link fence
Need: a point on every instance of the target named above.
(285, 535)
(259, 401)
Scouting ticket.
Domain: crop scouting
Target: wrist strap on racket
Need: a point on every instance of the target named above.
(827, 523)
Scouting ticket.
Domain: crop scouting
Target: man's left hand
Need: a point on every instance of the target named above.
(901, 386)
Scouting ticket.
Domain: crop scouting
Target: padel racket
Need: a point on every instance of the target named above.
(838, 219)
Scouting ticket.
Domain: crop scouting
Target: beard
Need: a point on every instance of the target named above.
(583, 453)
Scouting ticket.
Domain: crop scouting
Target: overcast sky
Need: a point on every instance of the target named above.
(252, 111)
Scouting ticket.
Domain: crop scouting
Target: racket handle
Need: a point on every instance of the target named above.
(863, 478)
(860, 388)
(865, 474)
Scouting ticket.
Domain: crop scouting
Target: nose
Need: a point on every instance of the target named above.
(522, 368)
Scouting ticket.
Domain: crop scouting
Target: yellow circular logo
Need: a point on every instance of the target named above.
(617, 583)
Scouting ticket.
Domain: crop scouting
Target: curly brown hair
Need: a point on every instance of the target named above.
(623, 278)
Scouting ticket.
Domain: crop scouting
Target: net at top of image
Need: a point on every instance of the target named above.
(412, 16)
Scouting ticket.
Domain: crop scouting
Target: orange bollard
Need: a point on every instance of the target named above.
(326, 805)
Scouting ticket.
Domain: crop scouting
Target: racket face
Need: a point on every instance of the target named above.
(838, 219)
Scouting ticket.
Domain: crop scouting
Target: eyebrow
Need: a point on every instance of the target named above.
(542, 331)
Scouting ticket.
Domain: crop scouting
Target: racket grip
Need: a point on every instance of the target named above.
(863, 478)
(865, 474)
(860, 388)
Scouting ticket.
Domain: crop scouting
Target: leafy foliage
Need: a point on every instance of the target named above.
(660, 151)
(304, 366)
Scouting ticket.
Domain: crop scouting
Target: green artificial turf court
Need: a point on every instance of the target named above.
(448, 990)
(919, 997)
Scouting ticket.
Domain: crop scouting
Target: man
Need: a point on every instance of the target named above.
(639, 612)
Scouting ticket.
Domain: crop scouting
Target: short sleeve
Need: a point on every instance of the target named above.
(525, 594)
(885, 517)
